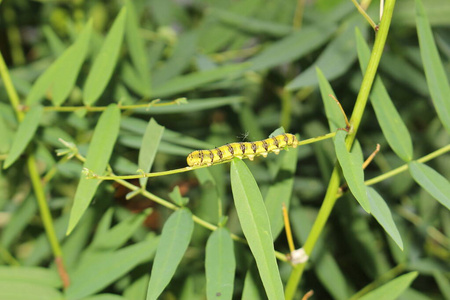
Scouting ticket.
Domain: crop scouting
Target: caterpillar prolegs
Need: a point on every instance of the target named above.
(242, 150)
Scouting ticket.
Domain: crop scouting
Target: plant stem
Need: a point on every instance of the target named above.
(355, 120)
(35, 178)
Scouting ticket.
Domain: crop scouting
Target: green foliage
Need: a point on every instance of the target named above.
(79, 88)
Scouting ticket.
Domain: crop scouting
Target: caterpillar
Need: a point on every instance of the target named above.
(242, 150)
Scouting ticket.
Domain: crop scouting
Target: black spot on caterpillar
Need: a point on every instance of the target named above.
(242, 150)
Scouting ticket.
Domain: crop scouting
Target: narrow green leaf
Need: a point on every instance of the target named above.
(251, 25)
(394, 129)
(20, 219)
(13, 290)
(175, 237)
(337, 57)
(105, 297)
(431, 181)
(193, 105)
(443, 283)
(392, 289)
(380, 210)
(255, 224)
(220, 265)
(334, 114)
(136, 47)
(97, 158)
(434, 70)
(67, 72)
(292, 47)
(351, 164)
(34, 275)
(185, 50)
(253, 287)
(24, 134)
(6, 135)
(97, 272)
(176, 197)
(105, 62)
(150, 143)
(118, 235)
(280, 191)
(194, 80)
(59, 79)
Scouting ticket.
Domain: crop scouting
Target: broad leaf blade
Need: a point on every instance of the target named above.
(61, 75)
(392, 125)
(97, 272)
(34, 275)
(351, 164)
(105, 62)
(175, 237)
(15, 290)
(220, 265)
(392, 289)
(434, 70)
(256, 226)
(97, 158)
(24, 134)
(431, 181)
(382, 214)
(150, 143)
(67, 70)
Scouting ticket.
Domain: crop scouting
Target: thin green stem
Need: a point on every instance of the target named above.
(404, 167)
(35, 178)
(355, 120)
(43, 207)
(122, 107)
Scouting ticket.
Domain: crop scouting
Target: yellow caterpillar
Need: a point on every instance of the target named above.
(242, 150)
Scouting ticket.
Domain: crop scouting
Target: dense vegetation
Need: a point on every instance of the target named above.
(102, 101)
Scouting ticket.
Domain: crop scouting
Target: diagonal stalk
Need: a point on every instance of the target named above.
(355, 120)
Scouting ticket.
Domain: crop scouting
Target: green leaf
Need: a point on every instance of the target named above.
(33, 275)
(280, 191)
(431, 181)
(443, 283)
(434, 70)
(175, 237)
(336, 59)
(255, 224)
(136, 46)
(105, 62)
(181, 58)
(220, 265)
(150, 143)
(20, 219)
(97, 272)
(116, 236)
(292, 47)
(13, 290)
(97, 158)
(193, 105)
(334, 114)
(351, 164)
(60, 77)
(394, 129)
(382, 214)
(176, 197)
(191, 81)
(24, 134)
(392, 289)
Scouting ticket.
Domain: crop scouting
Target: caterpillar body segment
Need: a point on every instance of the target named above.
(242, 150)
